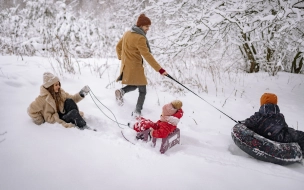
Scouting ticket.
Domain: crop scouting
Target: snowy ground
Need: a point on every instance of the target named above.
(53, 157)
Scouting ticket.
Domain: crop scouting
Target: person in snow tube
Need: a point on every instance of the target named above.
(55, 105)
(131, 49)
(270, 123)
(171, 114)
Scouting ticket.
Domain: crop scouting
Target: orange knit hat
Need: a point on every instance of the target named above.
(143, 20)
(269, 98)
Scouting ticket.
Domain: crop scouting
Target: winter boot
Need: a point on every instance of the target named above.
(144, 135)
(74, 117)
(89, 128)
(119, 96)
(136, 114)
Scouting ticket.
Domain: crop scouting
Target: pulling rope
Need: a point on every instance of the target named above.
(91, 93)
(200, 97)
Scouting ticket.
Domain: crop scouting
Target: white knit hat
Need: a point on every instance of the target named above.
(49, 79)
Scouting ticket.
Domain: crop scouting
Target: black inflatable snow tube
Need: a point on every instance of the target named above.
(264, 149)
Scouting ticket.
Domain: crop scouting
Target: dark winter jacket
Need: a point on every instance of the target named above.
(268, 122)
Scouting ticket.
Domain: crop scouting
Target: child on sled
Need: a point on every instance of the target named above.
(270, 123)
(171, 114)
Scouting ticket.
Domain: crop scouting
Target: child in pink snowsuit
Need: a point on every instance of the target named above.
(171, 114)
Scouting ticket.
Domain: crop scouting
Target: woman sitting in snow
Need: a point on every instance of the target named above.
(55, 105)
(171, 114)
(270, 123)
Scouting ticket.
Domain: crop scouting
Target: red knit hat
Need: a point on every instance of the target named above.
(143, 20)
(269, 98)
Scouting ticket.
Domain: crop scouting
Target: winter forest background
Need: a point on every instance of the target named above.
(213, 36)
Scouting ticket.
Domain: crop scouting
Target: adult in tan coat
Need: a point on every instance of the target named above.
(131, 49)
(55, 105)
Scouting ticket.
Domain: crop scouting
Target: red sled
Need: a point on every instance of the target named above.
(171, 140)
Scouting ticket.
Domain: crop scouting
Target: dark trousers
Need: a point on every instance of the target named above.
(142, 95)
(288, 135)
(71, 114)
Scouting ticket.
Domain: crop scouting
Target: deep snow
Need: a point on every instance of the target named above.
(53, 157)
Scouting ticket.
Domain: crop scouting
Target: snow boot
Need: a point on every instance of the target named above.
(144, 135)
(88, 128)
(119, 96)
(74, 117)
(136, 114)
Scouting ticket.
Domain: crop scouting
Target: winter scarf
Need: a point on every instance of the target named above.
(170, 119)
(138, 30)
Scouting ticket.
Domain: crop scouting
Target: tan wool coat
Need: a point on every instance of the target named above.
(130, 50)
(43, 109)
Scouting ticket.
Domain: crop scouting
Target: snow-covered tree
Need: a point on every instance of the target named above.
(215, 34)
(263, 31)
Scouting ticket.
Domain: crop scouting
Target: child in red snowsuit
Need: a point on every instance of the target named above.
(171, 114)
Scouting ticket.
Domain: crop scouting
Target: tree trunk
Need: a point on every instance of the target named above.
(249, 54)
(242, 52)
(269, 54)
(294, 68)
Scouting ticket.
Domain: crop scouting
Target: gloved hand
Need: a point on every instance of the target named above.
(84, 91)
(242, 122)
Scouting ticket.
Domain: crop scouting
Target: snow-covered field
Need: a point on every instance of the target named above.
(53, 157)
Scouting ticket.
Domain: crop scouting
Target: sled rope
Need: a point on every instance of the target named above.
(118, 124)
(126, 138)
(200, 97)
